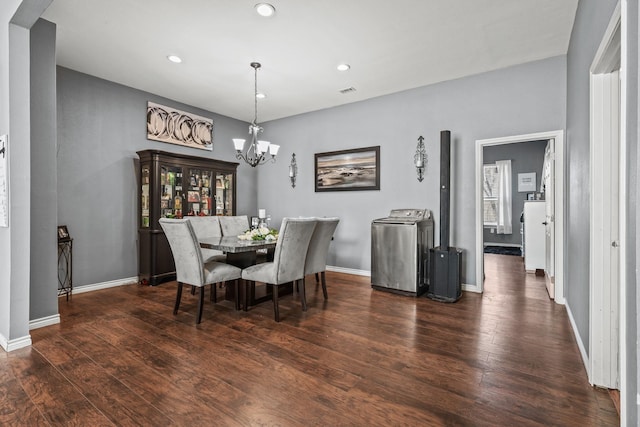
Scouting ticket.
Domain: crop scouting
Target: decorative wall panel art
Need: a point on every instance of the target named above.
(167, 124)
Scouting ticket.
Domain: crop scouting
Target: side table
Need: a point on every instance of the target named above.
(65, 267)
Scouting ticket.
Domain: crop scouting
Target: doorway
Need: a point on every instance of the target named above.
(558, 206)
(521, 199)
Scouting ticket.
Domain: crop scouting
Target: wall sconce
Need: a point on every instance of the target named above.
(293, 170)
(420, 158)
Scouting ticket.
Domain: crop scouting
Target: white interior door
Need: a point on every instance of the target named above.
(604, 233)
(548, 174)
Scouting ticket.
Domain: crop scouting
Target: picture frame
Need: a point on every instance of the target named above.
(193, 196)
(526, 182)
(348, 170)
(531, 196)
(63, 234)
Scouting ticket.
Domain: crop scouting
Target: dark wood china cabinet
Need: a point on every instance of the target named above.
(174, 186)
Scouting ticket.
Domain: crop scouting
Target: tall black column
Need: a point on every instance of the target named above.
(445, 182)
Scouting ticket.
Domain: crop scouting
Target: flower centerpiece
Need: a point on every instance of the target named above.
(260, 233)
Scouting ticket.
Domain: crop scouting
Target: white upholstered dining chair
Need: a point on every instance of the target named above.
(234, 225)
(190, 267)
(288, 261)
(208, 226)
(316, 260)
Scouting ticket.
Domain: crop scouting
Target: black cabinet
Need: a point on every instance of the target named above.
(174, 186)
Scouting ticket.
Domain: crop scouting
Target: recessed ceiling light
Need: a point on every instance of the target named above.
(265, 9)
(343, 67)
(260, 95)
(174, 58)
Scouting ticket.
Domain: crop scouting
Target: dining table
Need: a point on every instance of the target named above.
(242, 254)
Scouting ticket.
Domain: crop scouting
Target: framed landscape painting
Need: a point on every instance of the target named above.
(348, 170)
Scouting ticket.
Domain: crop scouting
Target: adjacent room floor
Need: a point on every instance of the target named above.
(364, 357)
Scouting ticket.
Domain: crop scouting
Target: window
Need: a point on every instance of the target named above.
(490, 195)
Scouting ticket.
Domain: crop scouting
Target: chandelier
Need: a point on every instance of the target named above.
(256, 153)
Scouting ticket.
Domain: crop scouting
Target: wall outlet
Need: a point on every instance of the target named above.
(493, 230)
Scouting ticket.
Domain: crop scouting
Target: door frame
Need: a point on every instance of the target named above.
(559, 205)
(606, 366)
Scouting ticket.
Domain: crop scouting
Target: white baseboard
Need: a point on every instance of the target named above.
(576, 334)
(465, 287)
(470, 288)
(506, 245)
(44, 321)
(104, 285)
(348, 271)
(15, 344)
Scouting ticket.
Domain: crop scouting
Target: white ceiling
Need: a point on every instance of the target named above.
(390, 45)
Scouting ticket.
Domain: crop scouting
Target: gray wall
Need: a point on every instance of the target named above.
(591, 21)
(44, 200)
(101, 125)
(525, 157)
(518, 100)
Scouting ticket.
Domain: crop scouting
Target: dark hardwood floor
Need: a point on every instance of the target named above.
(362, 358)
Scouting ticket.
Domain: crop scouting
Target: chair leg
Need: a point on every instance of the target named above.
(317, 278)
(193, 290)
(324, 286)
(214, 294)
(178, 296)
(276, 310)
(303, 297)
(200, 304)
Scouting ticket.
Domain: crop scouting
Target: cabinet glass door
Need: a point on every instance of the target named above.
(144, 198)
(199, 192)
(171, 193)
(224, 194)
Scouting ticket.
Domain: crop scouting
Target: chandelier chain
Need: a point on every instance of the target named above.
(255, 95)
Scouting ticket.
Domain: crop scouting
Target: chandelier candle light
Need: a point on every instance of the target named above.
(257, 150)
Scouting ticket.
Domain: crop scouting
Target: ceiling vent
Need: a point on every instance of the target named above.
(348, 90)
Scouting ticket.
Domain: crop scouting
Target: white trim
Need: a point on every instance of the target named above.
(506, 245)
(105, 285)
(349, 271)
(559, 204)
(465, 286)
(470, 288)
(576, 335)
(44, 321)
(16, 343)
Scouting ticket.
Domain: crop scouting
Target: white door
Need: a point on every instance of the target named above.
(604, 234)
(548, 173)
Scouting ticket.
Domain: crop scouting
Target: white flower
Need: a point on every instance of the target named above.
(262, 233)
